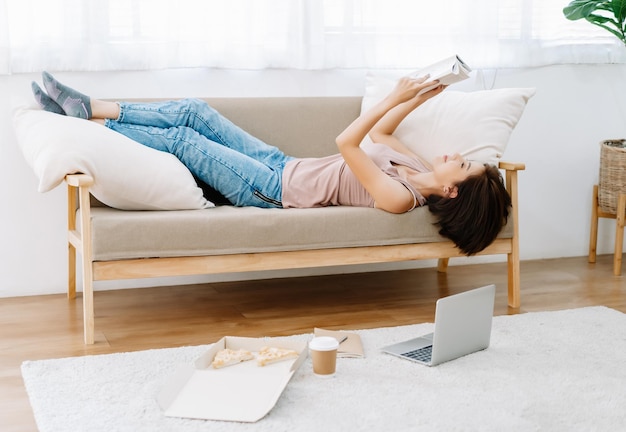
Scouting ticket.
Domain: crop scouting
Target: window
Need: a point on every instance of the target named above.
(302, 34)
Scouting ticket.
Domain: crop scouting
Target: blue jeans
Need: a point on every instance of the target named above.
(247, 171)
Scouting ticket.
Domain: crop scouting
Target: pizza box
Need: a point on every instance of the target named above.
(244, 392)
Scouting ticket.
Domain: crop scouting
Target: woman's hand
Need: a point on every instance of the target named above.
(408, 89)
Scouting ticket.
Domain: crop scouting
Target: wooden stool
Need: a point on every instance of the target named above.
(596, 212)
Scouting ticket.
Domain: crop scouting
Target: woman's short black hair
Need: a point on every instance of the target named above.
(473, 219)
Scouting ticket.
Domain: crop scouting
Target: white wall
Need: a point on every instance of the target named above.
(558, 138)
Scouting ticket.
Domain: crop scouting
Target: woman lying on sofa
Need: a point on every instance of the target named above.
(468, 198)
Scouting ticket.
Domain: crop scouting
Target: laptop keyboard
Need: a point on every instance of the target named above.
(422, 354)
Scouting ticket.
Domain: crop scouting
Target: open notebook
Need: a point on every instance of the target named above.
(350, 343)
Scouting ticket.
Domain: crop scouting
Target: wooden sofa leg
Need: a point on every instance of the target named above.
(79, 241)
(71, 250)
(514, 280)
(442, 265)
(593, 234)
(71, 272)
(87, 260)
(513, 257)
(619, 235)
(88, 312)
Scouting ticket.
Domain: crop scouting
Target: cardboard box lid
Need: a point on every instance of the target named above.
(244, 392)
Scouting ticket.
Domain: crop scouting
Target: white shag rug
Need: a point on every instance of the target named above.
(544, 371)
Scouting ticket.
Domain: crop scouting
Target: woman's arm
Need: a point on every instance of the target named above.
(388, 194)
(382, 132)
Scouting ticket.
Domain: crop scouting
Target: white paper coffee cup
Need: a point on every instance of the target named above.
(324, 355)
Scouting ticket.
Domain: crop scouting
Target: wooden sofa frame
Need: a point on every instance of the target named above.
(79, 241)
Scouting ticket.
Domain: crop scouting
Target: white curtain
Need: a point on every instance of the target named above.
(90, 35)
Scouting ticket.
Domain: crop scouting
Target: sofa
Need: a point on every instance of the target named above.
(117, 241)
(121, 244)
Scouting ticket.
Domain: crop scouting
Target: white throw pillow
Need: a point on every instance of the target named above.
(476, 125)
(127, 175)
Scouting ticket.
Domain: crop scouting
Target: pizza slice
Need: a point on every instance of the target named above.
(229, 357)
(269, 355)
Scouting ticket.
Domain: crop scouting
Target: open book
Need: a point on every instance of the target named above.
(448, 71)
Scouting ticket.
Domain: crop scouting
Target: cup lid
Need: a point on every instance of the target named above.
(324, 343)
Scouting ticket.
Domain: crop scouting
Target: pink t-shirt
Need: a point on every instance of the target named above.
(327, 181)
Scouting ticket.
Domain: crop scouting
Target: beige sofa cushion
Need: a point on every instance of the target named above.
(230, 230)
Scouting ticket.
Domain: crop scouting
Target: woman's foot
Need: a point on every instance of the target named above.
(74, 103)
(45, 101)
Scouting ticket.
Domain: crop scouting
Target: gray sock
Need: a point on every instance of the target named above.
(45, 101)
(74, 103)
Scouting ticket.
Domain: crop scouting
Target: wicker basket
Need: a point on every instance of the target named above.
(612, 174)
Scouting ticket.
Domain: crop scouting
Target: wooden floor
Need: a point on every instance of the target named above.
(42, 327)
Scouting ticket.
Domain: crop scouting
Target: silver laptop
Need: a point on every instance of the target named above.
(462, 326)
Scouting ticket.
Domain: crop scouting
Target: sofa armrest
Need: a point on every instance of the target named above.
(77, 198)
(511, 166)
(510, 175)
(78, 180)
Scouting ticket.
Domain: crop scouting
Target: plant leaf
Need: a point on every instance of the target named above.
(612, 17)
(579, 9)
(619, 10)
(593, 19)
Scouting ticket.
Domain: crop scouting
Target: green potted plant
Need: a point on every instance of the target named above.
(608, 14)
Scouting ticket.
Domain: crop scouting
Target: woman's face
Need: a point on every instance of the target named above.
(452, 169)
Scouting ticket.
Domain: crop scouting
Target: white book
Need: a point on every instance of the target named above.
(448, 71)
